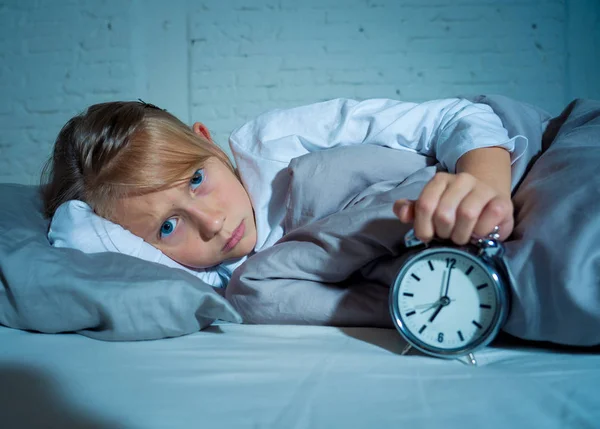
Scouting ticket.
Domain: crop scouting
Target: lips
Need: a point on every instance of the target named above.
(236, 236)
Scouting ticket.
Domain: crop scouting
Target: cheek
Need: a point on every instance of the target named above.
(188, 253)
(241, 196)
(227, 197)
(179, 246)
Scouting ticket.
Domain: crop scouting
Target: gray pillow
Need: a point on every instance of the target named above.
(107, 296)
(554, 252)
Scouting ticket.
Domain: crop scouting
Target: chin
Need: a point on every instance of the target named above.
(247, 248)
(192, 266)
(198, 265)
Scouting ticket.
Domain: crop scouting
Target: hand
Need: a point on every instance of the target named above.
(455, 206)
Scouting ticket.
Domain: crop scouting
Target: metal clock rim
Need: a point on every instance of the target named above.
(500, 289)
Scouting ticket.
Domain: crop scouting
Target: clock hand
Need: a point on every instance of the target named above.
(429, 305)
(432, 304)
(434, 315)
(448, 282)
(438, 302)
(443, 281)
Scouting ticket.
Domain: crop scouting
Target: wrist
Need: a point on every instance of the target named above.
(491, 165)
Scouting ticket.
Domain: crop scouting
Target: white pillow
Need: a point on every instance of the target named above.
(76, 226)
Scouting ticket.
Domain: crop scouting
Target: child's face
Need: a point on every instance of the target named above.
(200, 223)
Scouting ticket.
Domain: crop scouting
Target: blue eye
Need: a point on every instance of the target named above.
(197, 178)
(167, 228)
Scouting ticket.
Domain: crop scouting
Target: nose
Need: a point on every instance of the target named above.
(209, 220)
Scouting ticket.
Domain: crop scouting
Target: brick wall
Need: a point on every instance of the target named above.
(56, 58)
(245, 60)
(224, 61)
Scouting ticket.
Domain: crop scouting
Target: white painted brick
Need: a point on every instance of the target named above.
(46, 104)
(249, 56)
(248, 110)
(212, 49)
(48, 44)
(209, 79)
(240, 64)
(104, 55)
(49, 73)
(281, 47)
(255, 78)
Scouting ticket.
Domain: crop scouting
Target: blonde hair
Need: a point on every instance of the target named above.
(117, 149)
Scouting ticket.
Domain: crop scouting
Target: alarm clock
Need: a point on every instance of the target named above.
(449, 301)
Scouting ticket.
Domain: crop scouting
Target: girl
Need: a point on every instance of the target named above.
(130, 177)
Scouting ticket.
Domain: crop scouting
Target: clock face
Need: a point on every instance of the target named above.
(446, 300)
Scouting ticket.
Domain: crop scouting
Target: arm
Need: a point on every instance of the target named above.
(490, 165)
(445, 129)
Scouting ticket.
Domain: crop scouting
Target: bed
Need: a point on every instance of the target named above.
(108, 340)
(264, 376)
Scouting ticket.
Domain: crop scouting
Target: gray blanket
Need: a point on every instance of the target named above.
(342, 245)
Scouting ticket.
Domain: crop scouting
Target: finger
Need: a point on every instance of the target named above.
(445, 216)
(506, 228)
(404, 210)
(468, 214)
(498, 211)
(410, 216)
(426, 205)
(399, 209)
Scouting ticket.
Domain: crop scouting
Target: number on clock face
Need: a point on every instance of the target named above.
(446, 300)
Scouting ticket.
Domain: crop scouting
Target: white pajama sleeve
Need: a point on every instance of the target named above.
(445, 129)
(466, 126)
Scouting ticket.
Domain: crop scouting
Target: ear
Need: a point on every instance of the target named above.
(200, 129)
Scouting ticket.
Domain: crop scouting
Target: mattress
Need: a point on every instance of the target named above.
(266, 376)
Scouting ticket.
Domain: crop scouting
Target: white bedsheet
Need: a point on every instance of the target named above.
(244, 376)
